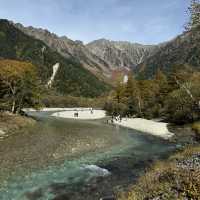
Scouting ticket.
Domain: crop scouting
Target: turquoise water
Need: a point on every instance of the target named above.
(55, 179)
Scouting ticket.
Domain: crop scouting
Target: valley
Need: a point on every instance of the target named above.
(105, 118)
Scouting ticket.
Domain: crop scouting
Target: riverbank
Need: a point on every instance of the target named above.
(176, 178)
(84, 114)
(159, 129)
(57, 146)
(54, 152)
(73, 113)
(13, 123)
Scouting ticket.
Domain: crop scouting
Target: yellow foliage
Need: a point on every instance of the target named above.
(18, 85)
(12, 69)
(196, 127)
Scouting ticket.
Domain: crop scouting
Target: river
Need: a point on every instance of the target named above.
(61, 159)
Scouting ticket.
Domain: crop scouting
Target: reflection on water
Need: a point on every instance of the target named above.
(67, 159)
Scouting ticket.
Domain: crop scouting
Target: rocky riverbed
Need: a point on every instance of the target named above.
(59, 159)
(64, 159)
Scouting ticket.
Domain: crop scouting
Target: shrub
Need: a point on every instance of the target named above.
(113, 108)
(196, 128)
(167, 180)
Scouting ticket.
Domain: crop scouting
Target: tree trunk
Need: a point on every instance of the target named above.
(13, 90)
(139, 105)
(13, 106)
(20, 104)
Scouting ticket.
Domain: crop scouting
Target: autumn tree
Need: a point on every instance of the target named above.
(180, 108)
(161, 81)
(183, 103)
(132, 95)
(175, 96)
(119, 88)
(19, 85)
(149, 92)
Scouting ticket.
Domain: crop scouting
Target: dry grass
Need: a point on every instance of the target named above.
(10, 123)
(185, 154)
(166, 181)
(196, 127)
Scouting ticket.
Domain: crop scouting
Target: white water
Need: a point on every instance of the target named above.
(55, 70)
(69, 173)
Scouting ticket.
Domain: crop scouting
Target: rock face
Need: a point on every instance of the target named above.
(101, 57)
(121, 54)
(183, 51)
(105, 58)
(69, 48)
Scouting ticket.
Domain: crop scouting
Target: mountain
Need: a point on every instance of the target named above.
(69, 48)
(101, 57)
(183, 51)
(106, 59)
(121, 54)
(71, 78)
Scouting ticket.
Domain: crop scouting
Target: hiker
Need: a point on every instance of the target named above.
(91, 111)
(76, 114)
(120, 118)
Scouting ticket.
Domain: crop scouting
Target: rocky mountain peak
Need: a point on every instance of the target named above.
(101, 57)
(121, 53)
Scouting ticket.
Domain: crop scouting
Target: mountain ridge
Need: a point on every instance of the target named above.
(182, 51)
(68, 48)
(121, 53)
(106, 58)
(103, 63)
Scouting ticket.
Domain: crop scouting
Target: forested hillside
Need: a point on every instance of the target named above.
(69, 48)
(71, 78)
(182, 51)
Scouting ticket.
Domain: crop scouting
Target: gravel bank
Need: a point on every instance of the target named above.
(148, 126)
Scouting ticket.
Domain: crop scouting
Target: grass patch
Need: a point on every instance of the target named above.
(196, 127)
(185, 154)
(168, 181)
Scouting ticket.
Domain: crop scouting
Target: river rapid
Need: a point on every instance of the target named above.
(61, 159)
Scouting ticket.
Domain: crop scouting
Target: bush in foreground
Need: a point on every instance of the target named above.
(178, 178)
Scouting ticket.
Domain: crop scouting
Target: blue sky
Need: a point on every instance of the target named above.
(142, 21)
